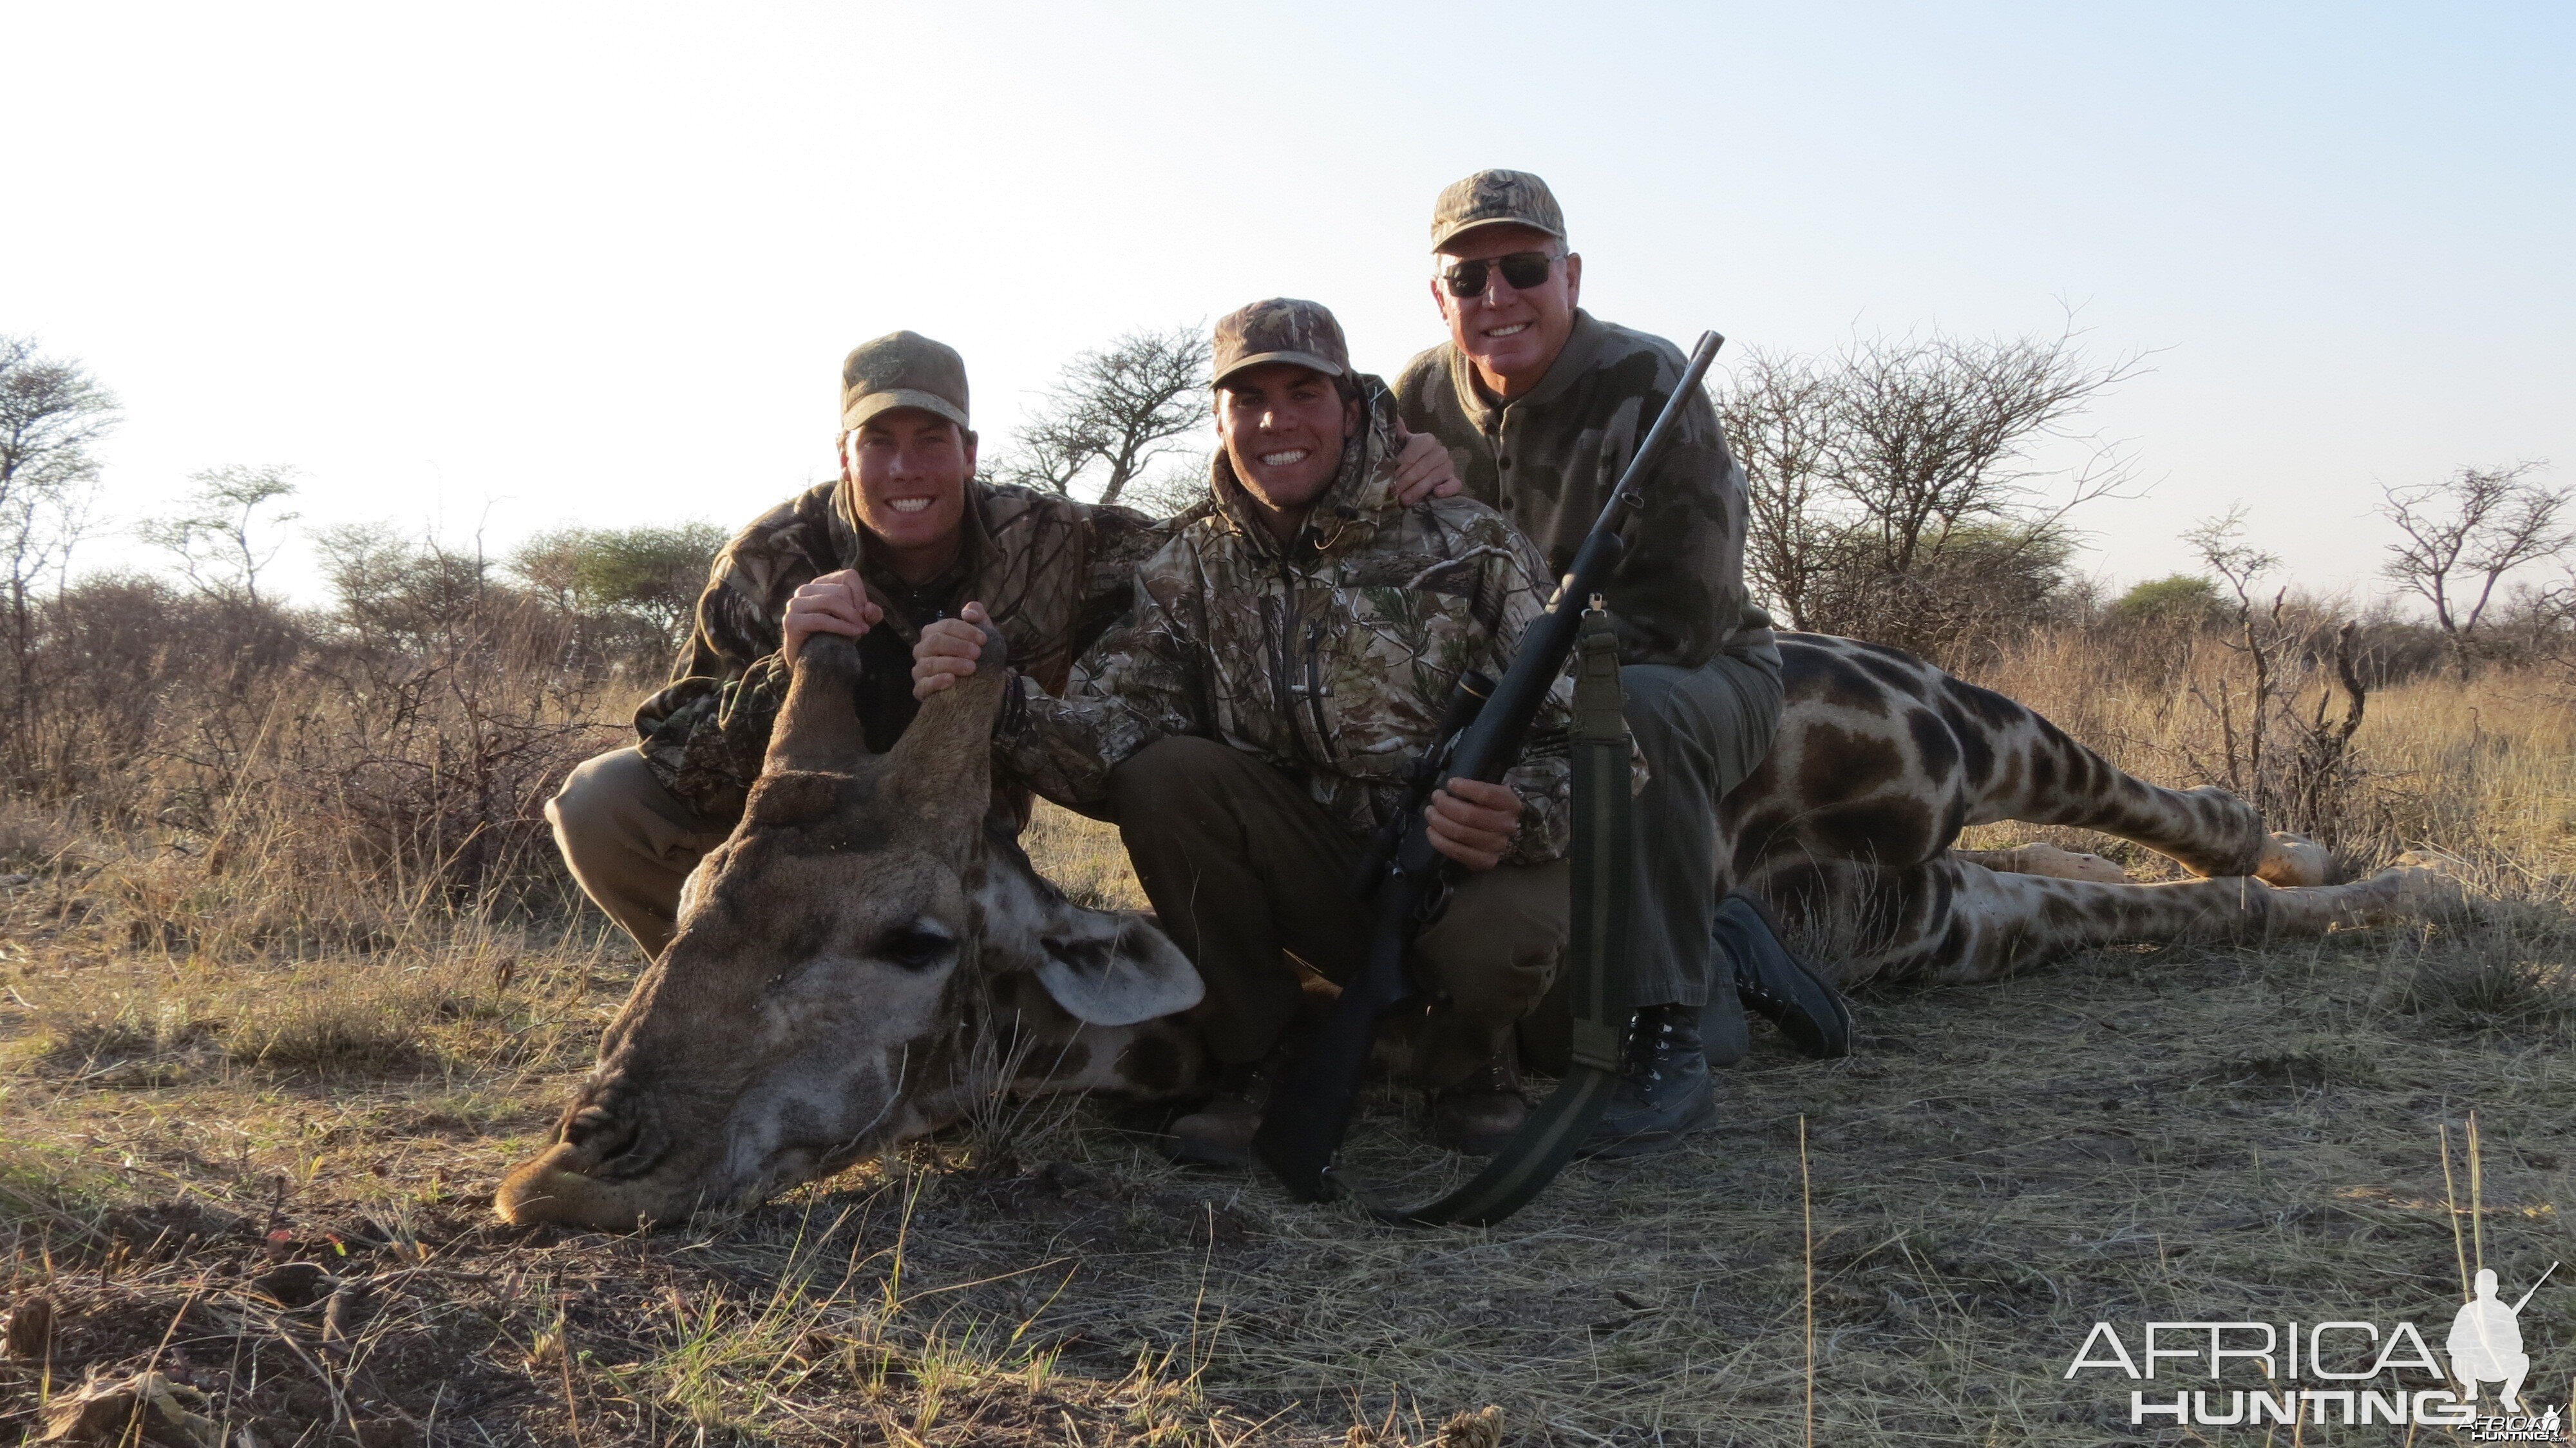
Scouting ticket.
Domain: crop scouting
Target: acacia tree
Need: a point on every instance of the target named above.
(217, 536)
(1113, 412)
(2464, 534)
(643, 581)
(51, 413)
(1897, 487)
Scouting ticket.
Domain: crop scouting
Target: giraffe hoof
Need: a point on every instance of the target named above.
(2293, 860)
(2426, 858)
(2411, 892)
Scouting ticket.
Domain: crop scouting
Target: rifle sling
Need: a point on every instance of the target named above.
(1596, 955)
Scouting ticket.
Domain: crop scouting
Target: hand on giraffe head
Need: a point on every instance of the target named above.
(947, 651)
(836, 603)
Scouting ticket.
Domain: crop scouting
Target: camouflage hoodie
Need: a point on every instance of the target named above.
(1055, 574)
(1329, 660)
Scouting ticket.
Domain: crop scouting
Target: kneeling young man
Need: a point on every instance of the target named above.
(904, 537)
(1249, 727)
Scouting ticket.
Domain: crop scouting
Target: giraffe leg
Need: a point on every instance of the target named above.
(2041, 775)
(2039, 859)
(1953, 920)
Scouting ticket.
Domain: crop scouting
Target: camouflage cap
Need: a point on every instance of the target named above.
(1281, 329)
(902, 369)
(1489, 197)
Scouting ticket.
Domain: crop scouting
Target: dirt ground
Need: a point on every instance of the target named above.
(268, 1183)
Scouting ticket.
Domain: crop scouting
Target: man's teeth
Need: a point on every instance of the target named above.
(907, 505)
(1514, 329)
(1283, 459)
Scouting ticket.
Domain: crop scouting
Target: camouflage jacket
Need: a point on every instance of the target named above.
(1550, 459)
(1329, 660)
(1053, 572)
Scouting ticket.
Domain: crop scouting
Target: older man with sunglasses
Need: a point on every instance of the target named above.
(1540, 405)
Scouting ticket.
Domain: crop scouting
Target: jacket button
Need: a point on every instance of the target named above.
(1507, 505)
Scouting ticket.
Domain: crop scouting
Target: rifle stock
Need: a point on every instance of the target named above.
(1310, 1111)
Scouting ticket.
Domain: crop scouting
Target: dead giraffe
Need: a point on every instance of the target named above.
(1882, 759)
(863, 961)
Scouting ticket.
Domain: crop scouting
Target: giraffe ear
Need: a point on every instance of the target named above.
(1104, 967)
(1114, 968)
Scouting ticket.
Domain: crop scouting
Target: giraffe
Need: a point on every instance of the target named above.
(869, 954)
(1849, 829)
(867, 957)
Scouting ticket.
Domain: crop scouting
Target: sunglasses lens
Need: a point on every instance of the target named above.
(1522, 270)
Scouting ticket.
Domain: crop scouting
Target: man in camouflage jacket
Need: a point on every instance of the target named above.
(1252, 724)
(1052, 573)
(1541, 405)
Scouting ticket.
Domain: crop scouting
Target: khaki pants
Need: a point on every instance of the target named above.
(630, 842)
(1242, 865)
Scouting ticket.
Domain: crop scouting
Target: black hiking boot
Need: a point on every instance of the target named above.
(1664, 1090)
(1779, 986)
(1476, 1116)
(1723, 1037)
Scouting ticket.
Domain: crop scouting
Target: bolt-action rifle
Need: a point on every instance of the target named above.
(1482, 732)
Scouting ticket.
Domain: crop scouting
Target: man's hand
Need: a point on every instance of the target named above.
(836, 603)
(1473, 822)
(947, 651)
(1423, 470)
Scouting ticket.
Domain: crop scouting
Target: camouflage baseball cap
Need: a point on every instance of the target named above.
(1495, 196)
(902, 369)
(1281, 329)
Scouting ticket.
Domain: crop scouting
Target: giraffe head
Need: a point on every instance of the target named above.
(839, 962)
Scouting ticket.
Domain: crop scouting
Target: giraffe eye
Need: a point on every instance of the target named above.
(915, 945)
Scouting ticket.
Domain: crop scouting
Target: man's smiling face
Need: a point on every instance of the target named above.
(910, 467)
(1283, 427)
(1511, 333)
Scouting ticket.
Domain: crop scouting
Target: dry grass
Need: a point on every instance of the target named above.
(210, 1072)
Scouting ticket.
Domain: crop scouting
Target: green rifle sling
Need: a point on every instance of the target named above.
(1595, 964)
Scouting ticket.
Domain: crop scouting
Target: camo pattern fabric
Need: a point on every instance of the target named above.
(1330, 660)
(1053, 573)
(1549, 461)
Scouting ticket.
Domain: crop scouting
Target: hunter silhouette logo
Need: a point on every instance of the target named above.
(2362, 1374)
(2486, 1342)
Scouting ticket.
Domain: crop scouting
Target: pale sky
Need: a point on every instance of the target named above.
(505, 267)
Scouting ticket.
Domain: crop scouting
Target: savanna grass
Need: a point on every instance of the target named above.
(221, 1062)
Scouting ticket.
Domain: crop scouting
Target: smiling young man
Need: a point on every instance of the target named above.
(1248, 729)
(1540, 405)
(902, 538)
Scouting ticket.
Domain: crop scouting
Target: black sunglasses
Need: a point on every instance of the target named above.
(1523, 269)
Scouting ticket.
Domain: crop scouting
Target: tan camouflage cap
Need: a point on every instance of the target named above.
(1494, 196)
(1281, 329)
(902, 369)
